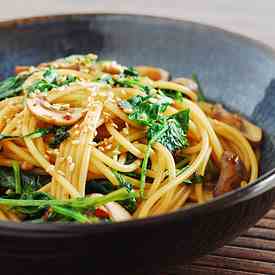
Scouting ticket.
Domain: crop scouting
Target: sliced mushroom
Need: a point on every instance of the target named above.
(249, 130)
(219, 113)
(232, 173)
(153, 73)
(252, 132)
(20, 69)
(116, 211)
(111, 67)
(56, 114)
(187, 82)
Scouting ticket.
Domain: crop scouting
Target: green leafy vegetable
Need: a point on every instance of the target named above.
(173, 131)
(147, 109)
(177, 95)
(17, 177)
(32, 212)
(212, 172)
(50, 80)
(29, 182)
(106, 79)
(35, 204)
(195, 179)
(12, 86)
(131, 203)
(130, 71)
(4, 137)
(79, 203)
(168, 130)
(60, 134)
(201, 96)
(99, 186)
(40, 132)
(72, 214)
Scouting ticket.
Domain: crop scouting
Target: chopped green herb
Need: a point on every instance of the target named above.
(177, 95)
(50, 80)
(146, 112)
(130, 71)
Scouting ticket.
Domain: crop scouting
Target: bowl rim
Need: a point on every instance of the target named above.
(264, 183)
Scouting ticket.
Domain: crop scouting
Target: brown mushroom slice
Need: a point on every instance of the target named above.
(153, 73)
(248, 129)
(219, 113)
(252, 132)
(187, 82)
(21, 69)
(111, 67)
(232, 173)
(56, 114)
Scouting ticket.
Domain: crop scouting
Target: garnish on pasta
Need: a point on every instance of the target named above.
(87, 140)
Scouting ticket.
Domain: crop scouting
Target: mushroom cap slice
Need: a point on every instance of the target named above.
(253, 133)
(153, 73)
(187, 82)
(117, 212)
(56, 114)
(233, 172)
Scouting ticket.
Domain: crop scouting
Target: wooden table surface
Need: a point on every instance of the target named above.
(251, 254)
(254, 252)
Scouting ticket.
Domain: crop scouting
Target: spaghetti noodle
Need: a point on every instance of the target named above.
(97, 141)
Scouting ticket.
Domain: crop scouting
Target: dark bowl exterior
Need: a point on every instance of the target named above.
(233, 69)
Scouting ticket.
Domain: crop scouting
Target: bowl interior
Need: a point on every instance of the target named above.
(233, 70)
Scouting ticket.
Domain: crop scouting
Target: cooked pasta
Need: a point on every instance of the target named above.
(90, 141)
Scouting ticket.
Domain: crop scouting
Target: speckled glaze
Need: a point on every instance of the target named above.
(233, 70)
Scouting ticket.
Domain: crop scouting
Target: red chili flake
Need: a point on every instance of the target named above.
(67, 117)
(100, 213)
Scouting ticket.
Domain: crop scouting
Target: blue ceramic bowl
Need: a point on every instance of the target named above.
(234, 70)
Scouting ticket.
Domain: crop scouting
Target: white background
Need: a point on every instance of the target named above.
(254, 18)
